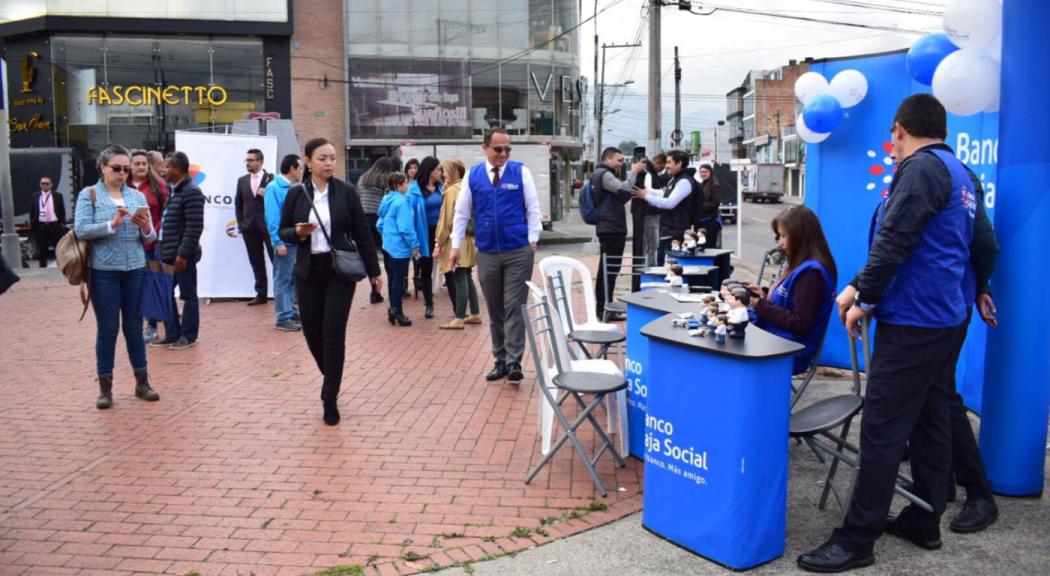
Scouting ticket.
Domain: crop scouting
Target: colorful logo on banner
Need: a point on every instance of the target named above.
(882, 169)
(231, 228)
(196, 174)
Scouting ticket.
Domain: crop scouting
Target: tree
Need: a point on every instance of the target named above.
(627, 147)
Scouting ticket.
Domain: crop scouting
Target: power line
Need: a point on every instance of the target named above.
(784, 15)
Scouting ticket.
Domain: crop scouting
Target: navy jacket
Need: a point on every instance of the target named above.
(183, 223)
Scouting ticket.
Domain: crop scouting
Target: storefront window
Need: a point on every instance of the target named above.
(138, 91)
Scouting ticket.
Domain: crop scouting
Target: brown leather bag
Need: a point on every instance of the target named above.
(72, 254)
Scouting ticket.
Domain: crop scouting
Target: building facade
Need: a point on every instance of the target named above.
(83, 75)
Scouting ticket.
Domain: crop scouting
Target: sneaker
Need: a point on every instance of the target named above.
(296, 318)
(454, 324)
(289, 326)
(473, 319)
(149, 334)
(183, 344)
(165, 343)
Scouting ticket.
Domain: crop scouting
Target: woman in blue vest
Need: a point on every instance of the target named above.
(424, 194)
(800, 301)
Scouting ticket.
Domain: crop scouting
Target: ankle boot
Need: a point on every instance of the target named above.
(142, 388)
(105, 391)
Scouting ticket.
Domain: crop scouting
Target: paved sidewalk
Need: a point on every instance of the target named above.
(233, 471)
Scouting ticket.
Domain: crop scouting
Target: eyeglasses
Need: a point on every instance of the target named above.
(501, 149)
(120, 169)
(45, 183)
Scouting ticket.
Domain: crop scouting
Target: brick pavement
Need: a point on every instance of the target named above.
(233, 471)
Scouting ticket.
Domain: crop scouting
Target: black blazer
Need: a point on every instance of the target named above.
(57, 201)
(348, 219)
(251, 213)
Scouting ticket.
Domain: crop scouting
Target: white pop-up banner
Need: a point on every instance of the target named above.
(216, 162)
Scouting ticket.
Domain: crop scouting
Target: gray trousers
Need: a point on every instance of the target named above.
(652, 238)
(502, 277)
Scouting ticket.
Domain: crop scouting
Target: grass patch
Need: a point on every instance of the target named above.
(597, 506)
(432, 568)
(435, 542)
(393, 519)
(192, 573)
(541, 532)
(343, 570)
(449, 535)
(488, 538)
(520, 532)
(410, 556)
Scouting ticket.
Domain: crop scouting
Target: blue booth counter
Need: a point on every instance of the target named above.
(716, 440)
(642, 308)
(720, 258)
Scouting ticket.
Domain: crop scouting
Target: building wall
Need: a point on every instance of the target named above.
(775, 100)
(318, 51)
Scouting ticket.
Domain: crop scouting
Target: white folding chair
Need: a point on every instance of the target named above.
(547, 368)
(570, 267)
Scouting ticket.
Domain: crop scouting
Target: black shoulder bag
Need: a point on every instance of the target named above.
(347, 263)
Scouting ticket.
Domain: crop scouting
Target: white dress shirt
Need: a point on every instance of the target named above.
(318, 242)
(465, 206)
(680, 192)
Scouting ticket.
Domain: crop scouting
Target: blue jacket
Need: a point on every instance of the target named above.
(397, 224)
(273, 201)
(500, 222)
(118, 250)
(419, 215)
(921, 239)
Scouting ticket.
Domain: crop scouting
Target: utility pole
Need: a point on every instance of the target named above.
(597, 105)
(601, 101)
(676, 136)
(9, 240)
(655, 144)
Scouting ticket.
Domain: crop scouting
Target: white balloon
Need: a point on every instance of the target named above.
(809, 85)
(973, 23)
(966, 81)
(807, 135)
(993, 105)
(849, 87)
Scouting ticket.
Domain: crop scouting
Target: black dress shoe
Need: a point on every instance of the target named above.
(376, 298)
(498, 372)
(902, 527)
(331, 414)
(428, 311)
(514, 372)
(832, 557)
(976, 515)
(257, 301)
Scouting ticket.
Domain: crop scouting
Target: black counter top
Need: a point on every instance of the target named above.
(659, 301)
(757, 344)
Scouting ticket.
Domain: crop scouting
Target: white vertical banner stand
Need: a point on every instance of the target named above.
(738, 165)
(216, 162)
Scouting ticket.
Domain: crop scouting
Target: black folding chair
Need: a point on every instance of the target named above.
(542, 323)
(634, 265)
(559, 291)
(773, 259)
(815, 424)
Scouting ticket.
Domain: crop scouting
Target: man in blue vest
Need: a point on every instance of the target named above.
(500, 196)
(913, 283)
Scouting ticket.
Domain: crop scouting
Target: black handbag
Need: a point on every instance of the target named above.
(347, 263)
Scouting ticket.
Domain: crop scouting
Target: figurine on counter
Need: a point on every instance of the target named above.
(737, 318)
(689, 240)
(720, 330)
(676, 246)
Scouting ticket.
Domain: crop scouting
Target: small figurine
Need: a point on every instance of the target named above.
(674, 275)
(737, 317)
(720, 330)
(676, 246)
(701, 239)
(712, 318)
(689, 240)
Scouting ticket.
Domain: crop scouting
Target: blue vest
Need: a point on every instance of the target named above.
(500, 224)
(783, 296)
(929, 289)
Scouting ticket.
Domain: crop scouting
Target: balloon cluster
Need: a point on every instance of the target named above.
(962, 63)
(823, 102)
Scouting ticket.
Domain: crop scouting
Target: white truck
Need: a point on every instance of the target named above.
(537, 157)
(763, 182)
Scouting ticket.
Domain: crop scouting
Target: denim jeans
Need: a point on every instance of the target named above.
(115, 297)
(284, 285)
(396, 270)
(188, 324)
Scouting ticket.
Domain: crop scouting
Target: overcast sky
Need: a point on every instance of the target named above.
(718, 50)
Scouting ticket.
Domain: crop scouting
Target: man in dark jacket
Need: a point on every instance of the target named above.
(180, 234)
(47, 219)
(915, 283)
(251, 220)
(611, 195)
(675, 201)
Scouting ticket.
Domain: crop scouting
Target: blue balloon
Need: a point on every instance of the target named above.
(926, 54)
(822, 114)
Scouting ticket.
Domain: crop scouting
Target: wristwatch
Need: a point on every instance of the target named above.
(867, 308)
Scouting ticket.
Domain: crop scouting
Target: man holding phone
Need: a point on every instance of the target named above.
(180, 234)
